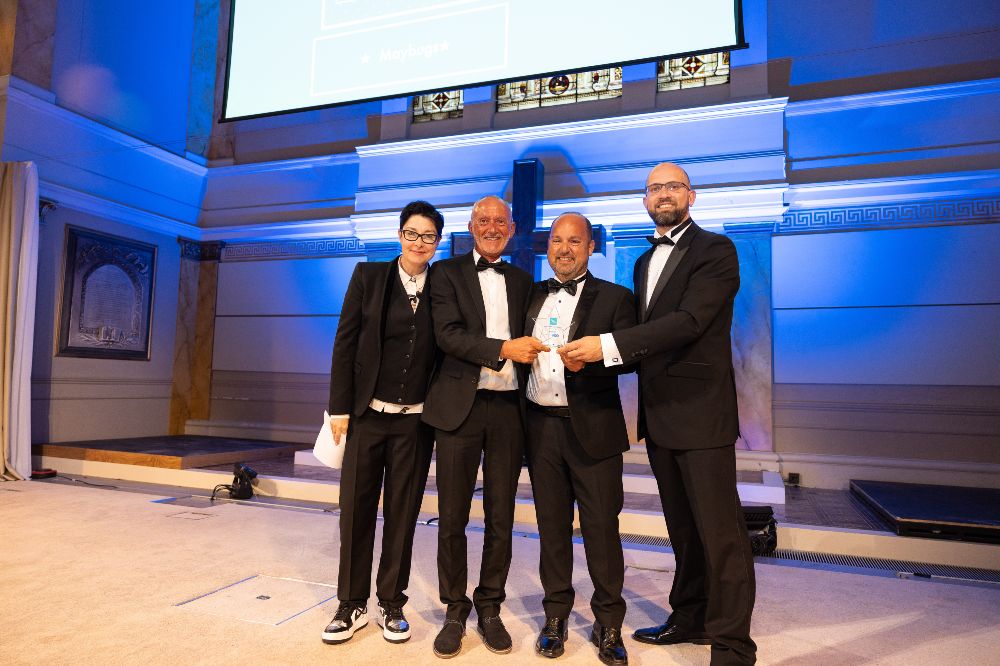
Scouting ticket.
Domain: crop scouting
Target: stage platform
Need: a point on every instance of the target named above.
(169, 452)
(940, 512)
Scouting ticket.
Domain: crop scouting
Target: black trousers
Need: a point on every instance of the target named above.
(714, 585)
(397, 447)
(561, 473)
(491, 433)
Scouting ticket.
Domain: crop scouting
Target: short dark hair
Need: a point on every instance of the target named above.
(425, 209)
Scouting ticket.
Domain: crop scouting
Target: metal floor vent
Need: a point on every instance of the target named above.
(917, 569)
(898, 567)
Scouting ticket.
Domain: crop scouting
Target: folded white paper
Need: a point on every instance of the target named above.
(326, 450)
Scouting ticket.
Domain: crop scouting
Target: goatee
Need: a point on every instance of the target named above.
(669, 218)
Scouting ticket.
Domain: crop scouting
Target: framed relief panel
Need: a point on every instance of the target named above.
(107, 299)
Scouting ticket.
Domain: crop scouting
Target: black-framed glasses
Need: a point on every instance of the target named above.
(411, 235)
(671, 188)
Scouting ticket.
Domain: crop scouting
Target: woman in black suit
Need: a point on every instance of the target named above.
(382, 361)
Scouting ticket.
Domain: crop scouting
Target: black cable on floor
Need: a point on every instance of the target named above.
(88, 483)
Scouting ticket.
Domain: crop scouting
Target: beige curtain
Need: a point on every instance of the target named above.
(18, 273)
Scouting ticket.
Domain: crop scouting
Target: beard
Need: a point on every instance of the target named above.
(669, 218)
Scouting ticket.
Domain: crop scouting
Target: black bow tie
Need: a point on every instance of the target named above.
(555, 285)
(659, 240)
(569, 285)
(499, 266)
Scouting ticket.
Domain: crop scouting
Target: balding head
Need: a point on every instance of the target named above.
(668, 195)
(491, 226)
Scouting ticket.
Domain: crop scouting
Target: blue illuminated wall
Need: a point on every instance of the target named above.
(127, 65)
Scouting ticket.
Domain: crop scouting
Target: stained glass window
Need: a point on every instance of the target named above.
(438, 106)
(559, 89)
(706, 69)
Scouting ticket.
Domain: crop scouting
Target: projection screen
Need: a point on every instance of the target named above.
(302, 54)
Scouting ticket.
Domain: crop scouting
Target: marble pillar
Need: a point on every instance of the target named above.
(190, 396)
(201, 86)
(33, 40)
(752, 341)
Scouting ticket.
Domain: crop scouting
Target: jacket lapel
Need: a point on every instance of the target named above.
(668, 269)
(515, 307)
(539, 292)
(384, 286)
(640, 286)
(583, 306)
(471, 283)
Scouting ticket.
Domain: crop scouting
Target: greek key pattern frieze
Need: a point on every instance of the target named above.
(330, 247)
(942, 211)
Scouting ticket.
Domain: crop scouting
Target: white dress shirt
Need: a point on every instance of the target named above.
(494, 289)
(661, 253)
(547, 381)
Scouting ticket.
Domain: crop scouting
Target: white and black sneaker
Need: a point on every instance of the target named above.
(395, 628)
(349, 618)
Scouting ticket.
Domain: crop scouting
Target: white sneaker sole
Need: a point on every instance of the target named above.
(393, 636)
(344, 636)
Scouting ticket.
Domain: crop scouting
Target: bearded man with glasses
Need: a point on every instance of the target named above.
(686, 285)
(382, 360)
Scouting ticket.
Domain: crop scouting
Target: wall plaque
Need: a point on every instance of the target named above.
(107, 298)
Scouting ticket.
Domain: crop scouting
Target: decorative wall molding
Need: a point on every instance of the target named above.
(204, 251)
(886, 408)
(99, 388)
(290, 165)
(97, 162)
(65, 197)
(340, 227)
(654, 119)
(927, 213)
(894, 97)
(293, 249)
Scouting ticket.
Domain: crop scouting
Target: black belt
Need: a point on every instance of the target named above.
(561, 412)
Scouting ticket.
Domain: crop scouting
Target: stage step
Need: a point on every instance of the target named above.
(640, 526)
(753, 486)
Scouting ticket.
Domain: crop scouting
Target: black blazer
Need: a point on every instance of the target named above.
(687, 394)
(357, 349)
(460, 330)
(594, 402)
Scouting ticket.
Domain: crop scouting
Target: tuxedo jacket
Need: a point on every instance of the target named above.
(357, 348)
(687, 394)
(595, 404)
(459, 313)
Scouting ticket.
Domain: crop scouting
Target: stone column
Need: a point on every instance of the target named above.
(752, 335)
(190, 396)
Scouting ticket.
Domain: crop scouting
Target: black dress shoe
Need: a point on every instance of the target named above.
(552, 640)
(449, 640)
(495, 636)
(610, 648)
(670, 634)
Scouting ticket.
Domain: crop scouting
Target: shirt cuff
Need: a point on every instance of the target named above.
(340, 416)
(610, 350)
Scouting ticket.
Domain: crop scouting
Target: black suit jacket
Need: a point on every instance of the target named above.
(594, 402)
(357, 349)
(687, 394)
(459, 313)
